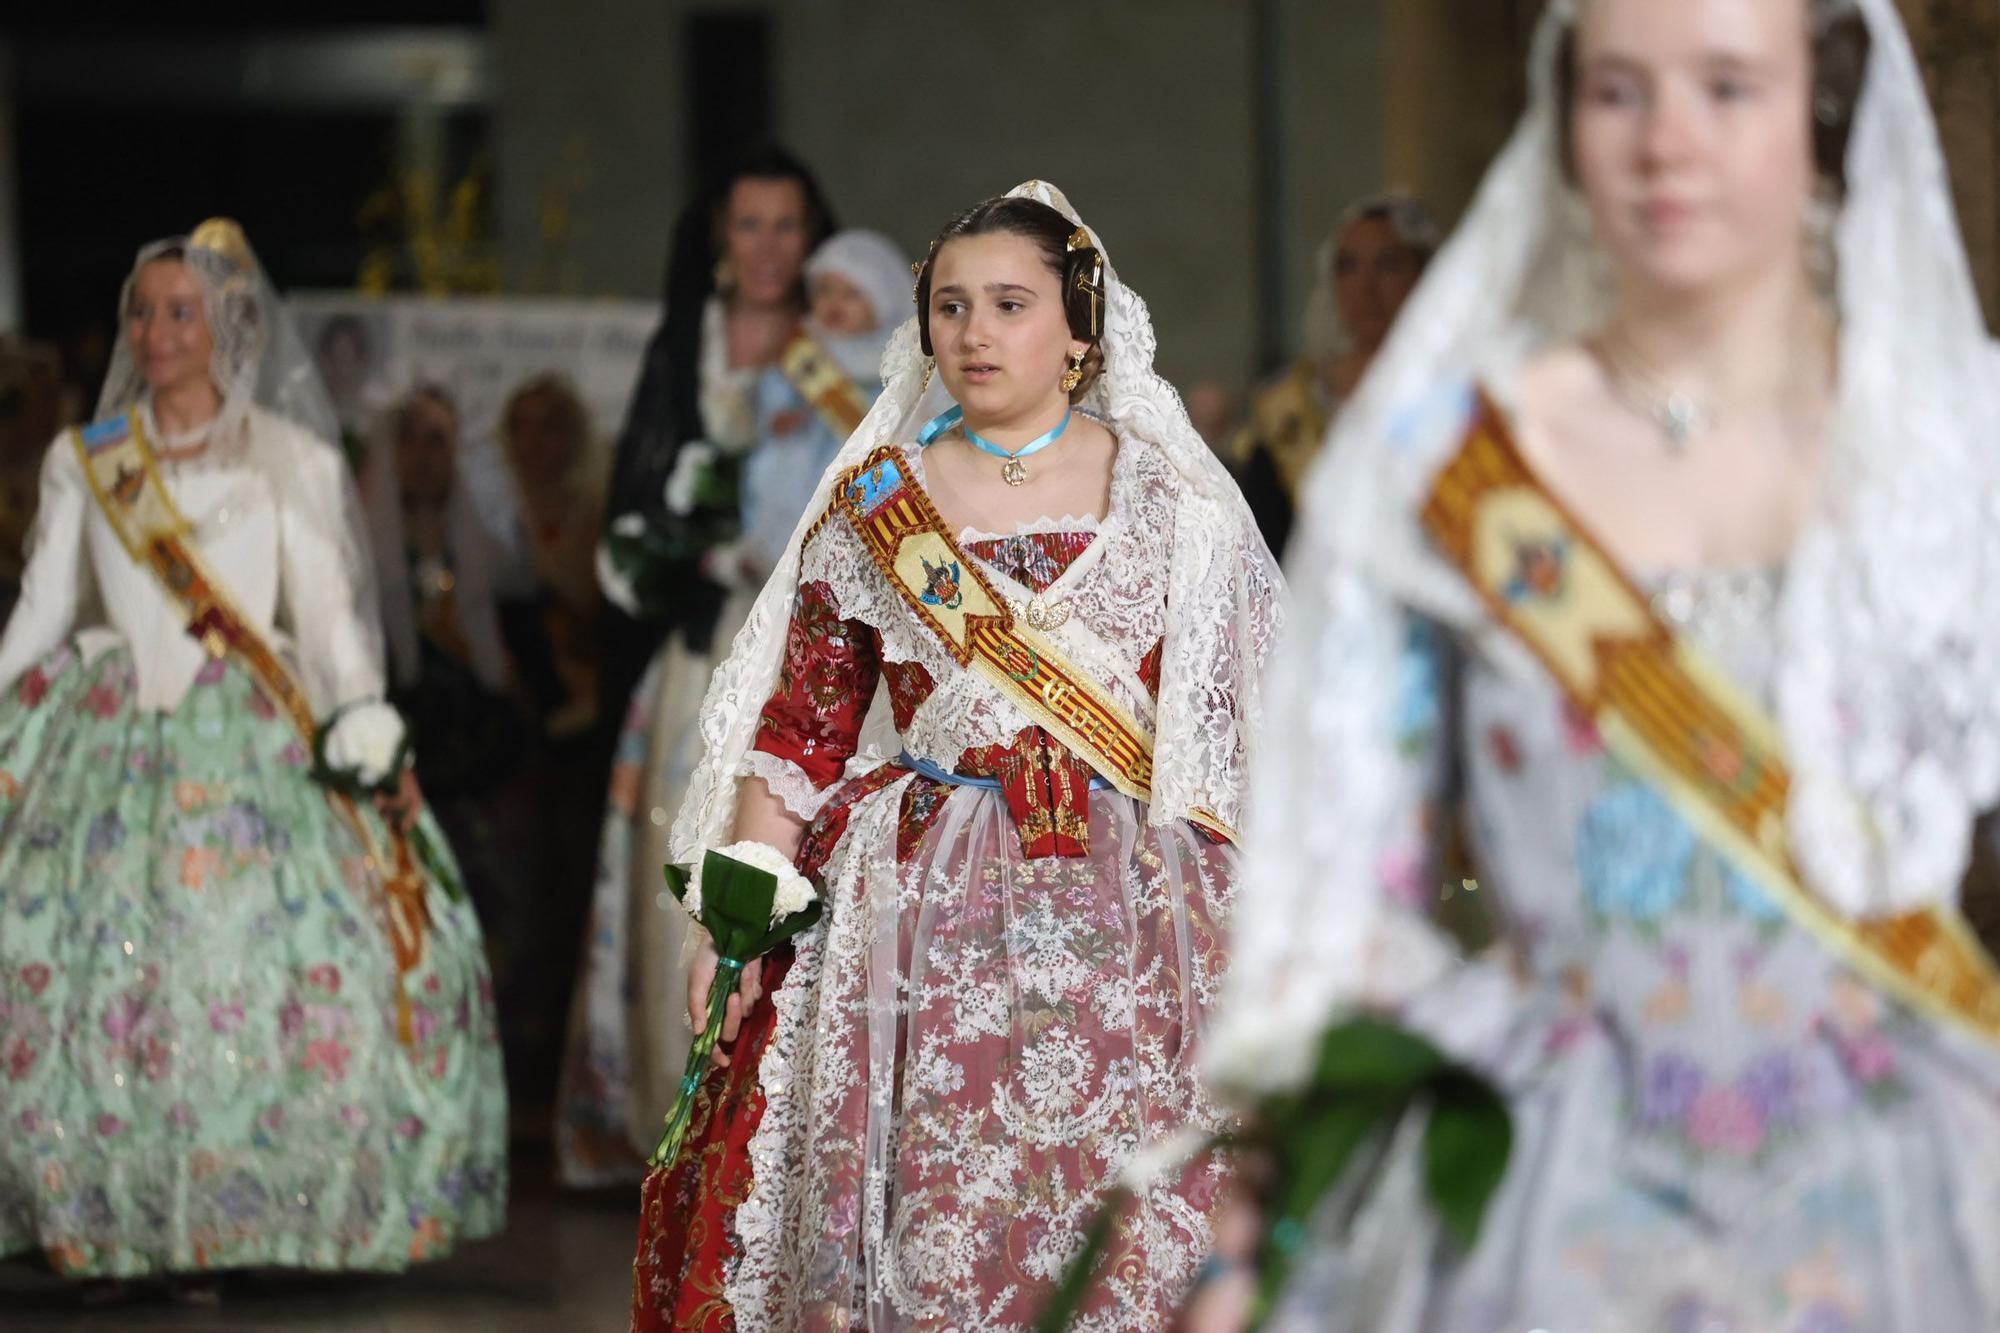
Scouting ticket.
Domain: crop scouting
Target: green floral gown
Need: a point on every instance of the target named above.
(201, 1061)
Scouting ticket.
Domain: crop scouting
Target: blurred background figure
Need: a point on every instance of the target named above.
(1212, 408)
(735, 299)
(32, 410)
(341, 353)
(559, 486)
(735, 295)
(549, 621)
(858, 289)
(625, 1053)
(1365, 270)
(240, 1031)
(442, 572)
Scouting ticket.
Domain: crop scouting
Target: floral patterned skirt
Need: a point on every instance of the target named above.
(200, 1065)
(1849, 1182)
(951, 1073)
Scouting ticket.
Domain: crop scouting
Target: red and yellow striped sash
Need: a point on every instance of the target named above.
(948, 594)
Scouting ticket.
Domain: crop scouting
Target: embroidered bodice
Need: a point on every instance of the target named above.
(850, 629)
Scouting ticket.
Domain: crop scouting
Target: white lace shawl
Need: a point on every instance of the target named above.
(1889, 629)
(1223, 591)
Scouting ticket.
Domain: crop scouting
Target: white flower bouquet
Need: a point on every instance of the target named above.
(647, 558)
(362, 752)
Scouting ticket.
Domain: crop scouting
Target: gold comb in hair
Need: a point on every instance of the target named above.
(223, 237)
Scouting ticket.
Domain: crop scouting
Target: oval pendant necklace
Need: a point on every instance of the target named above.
(1014, 472)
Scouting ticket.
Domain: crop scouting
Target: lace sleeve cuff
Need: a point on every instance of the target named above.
(787, 781)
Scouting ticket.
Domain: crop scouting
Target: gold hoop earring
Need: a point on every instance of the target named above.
(1074, 375)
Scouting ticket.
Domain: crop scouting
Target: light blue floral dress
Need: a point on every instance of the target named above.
(200, 1065)
(1719, 1128)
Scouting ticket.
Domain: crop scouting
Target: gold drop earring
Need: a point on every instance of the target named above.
(1074, 375)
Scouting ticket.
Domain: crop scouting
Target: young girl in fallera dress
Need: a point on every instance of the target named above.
(1025, 907)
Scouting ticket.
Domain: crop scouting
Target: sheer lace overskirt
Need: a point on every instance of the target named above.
(966, 1056)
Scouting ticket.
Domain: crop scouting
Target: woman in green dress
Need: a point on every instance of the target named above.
(239, 1027)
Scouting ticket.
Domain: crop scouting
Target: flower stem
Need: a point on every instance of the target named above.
(437, 862)
(727, 973)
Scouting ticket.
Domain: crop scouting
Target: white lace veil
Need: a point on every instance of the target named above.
(259, 357)
(1218, 634)
(275, 417)
(1889, 668)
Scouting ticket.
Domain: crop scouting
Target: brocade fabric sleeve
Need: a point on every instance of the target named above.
(811, 725)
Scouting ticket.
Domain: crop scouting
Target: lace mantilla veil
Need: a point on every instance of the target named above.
(1210, 702)
(1889, 625)
(260, 364)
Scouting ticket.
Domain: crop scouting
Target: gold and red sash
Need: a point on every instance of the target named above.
(948, 595)
(1673, 719)
(823, 384)
(118, 462)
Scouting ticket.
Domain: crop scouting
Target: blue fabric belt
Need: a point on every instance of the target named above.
(932, 771)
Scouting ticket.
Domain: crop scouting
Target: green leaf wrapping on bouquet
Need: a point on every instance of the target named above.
(659, 553)
(1367, 1053)
(736, 908)
(736, 903)
(1369, 1075)
(437, 862)
(1466, 1146)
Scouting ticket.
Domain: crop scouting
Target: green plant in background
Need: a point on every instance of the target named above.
(431, 240)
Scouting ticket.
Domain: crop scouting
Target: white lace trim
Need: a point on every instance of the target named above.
(787, 781)
(768, 1223)
(1036, 527)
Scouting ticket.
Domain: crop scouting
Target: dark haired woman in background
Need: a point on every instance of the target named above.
(735, 300)
(1025, 909)
(734, 296)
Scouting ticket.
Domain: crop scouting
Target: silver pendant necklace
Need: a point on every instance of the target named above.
(1678, 416)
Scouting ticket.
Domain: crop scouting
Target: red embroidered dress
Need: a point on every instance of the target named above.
(1002, 1006)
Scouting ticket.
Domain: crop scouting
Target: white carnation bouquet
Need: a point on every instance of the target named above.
(362, 752)
(645, 560)
(749, 899)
